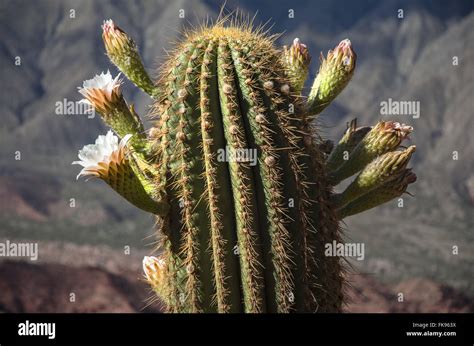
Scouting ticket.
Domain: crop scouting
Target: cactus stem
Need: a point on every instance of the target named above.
(226, 266)
(243, 233)
(275, 214)
(248, 230)
(175, 274)
(190, 172)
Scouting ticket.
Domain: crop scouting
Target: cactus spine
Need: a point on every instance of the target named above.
(235, 158)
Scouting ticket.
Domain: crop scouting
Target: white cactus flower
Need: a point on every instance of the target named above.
(102, 91)
(96, 158)
(152, 267)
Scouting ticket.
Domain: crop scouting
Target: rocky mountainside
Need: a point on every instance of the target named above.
(85, 289)
(58, 45)
(93, 289)
(104, 279)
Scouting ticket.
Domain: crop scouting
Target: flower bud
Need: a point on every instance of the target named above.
(383, 137)
(335, 72)
(383, 169)
(123, 52)
(347, 143)
(154, 268)
(385, 193)
(296, 60)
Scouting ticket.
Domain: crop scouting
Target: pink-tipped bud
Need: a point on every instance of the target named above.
(382, 138)
(123, 52)
(296, 59)
(300, 51)
(335, 72)
(115, 39)
(343, 54)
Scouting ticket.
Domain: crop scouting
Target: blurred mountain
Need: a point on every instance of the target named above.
(97, 290)
(410, 58)
(93, 289)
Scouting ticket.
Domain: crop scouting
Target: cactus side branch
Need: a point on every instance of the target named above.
(112, 162)
(123, 53)
(335, 72)
(383, 169)
(347, 143)
(384, 137)
(383, 194)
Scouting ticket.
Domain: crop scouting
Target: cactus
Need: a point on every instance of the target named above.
(235, 171)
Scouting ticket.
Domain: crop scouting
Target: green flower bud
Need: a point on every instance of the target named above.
(123, 52)
(334, 74)
(348, 142)
(383, 137)
(384, 168)
(385, 193)
(296, 60)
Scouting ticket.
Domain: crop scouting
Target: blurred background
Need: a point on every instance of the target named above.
(91, 241)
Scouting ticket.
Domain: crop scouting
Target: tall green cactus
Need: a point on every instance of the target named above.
(235, 171)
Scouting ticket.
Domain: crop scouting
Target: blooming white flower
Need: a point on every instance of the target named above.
(96, 158)
(152, 267)
(102, 91)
